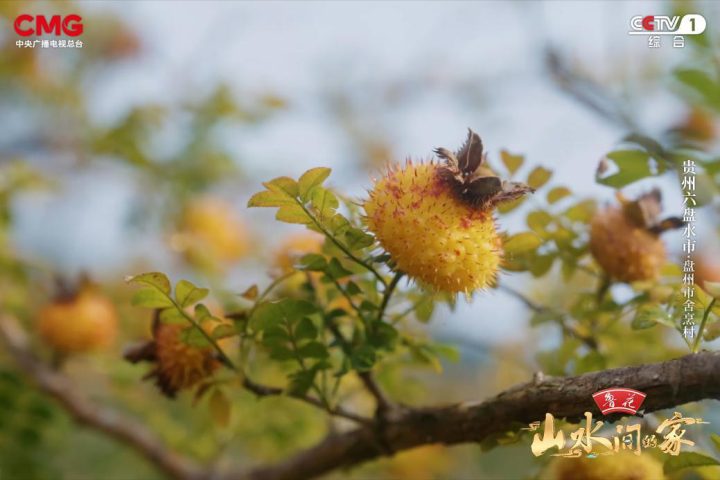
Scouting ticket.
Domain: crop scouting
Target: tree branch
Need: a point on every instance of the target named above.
(667, 384)
(83, 411)
(587, 92)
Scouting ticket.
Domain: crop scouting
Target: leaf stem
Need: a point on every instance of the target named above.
(696, 345)
(223, 356)
(347, 296)
(388, 293)
(342, 247)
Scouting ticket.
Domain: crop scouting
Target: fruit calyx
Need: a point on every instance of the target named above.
(645, 212)
(464, 171)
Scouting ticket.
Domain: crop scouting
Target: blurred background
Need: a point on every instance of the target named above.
(125, 155)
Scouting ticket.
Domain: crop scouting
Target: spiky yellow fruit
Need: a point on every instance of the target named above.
(627, 252)
(81, 323)
(430, 234)
(179, 365)
(436, 220)
(625, 239)
(622, 466)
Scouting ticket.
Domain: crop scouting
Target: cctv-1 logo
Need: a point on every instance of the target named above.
(690, 24)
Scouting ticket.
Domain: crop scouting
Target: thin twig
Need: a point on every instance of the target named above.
(696, 345)
(568, 330)
(387, 294)
(588, 93)
(383, 402)
(266, 391)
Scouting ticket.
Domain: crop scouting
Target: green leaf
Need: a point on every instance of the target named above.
(716, 440)
(363, 358)
(154, 279)
(280, 352)
(633, 165)
(424, 309)
(537, 220)
(336, 270)
(220, 408)
(702, 83)
(522, 242)
(313, 262)
(311, 179)
(306, 330)
(194, 337)
(713, 289)
(202, 313)
(172, 315)
(424, 354)
(591, 362)
(268, 198)
(271, 314)
(539, 177)
(151, 298)
(338, 224)
(544, 316)
(301, 381)
(507, 207)
(224, 330)
(557, 193)
(687, 460)
(284, 185)
(541, 264)
(581, 212)
(313, 350)
(273, 336)
(324, 202)
(293, 214)
(647, 316)
(356, 239)
(512, 162)
(352, 288)
(383, 335)
(187, 294)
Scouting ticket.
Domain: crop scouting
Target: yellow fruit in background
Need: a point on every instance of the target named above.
(621, 466)
(179, 365)
(698, 125)
(625, 239)
(287, 256)
(82, 323)
(436, 220)
(211, 234)
(294, 247)
(627, 252)
(426, 462)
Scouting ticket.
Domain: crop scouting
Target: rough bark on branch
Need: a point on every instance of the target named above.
(667, 384)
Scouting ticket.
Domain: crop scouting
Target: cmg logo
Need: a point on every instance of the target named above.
(70, 25)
